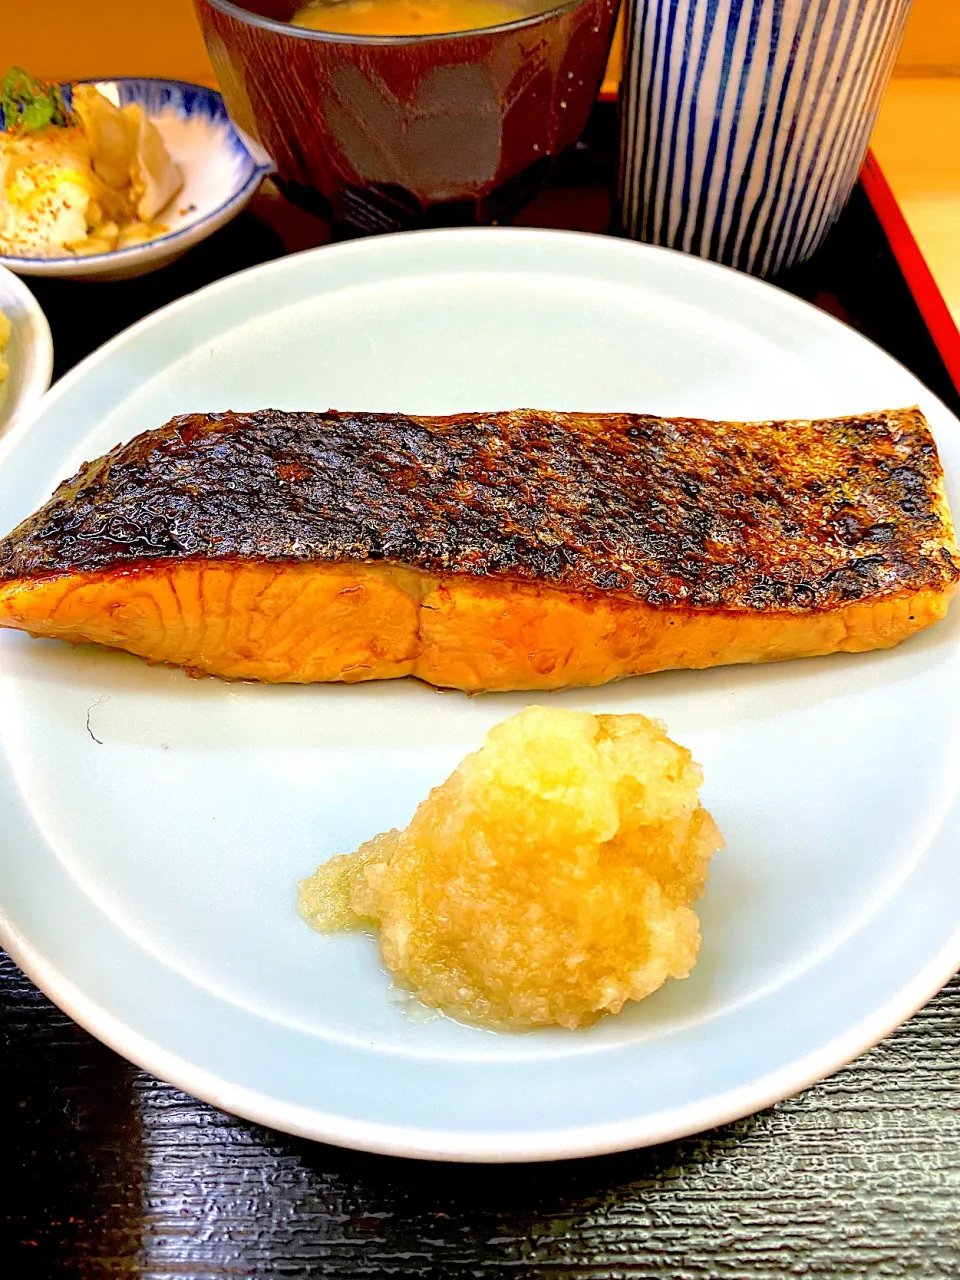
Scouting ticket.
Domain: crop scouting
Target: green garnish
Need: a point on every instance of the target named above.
(29, 104)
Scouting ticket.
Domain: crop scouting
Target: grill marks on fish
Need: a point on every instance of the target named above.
(671, 512)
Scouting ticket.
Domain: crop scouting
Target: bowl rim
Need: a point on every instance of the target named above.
(258, 173)
(339, 37)
(31, 324)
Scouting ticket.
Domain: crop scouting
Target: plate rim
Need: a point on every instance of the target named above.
(466, 1147)
(449, 1145)
(34, 329)
(361, 245)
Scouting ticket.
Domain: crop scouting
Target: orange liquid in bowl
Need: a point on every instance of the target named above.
(411, 17)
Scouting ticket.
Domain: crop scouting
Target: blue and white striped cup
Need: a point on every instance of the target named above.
(744, 122)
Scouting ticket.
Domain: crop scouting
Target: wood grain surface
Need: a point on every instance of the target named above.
(119, 1175)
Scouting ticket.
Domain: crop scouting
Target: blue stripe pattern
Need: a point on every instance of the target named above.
(744, 123)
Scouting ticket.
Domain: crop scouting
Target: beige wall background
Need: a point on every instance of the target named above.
(932, 43)
(75, 41)
(129, 37)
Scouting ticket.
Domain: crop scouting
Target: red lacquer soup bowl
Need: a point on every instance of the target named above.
(385, 133)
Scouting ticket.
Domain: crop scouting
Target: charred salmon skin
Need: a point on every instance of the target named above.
(516, 550)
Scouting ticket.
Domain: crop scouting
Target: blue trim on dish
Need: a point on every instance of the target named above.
(156, 96)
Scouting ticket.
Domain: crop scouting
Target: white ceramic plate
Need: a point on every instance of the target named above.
(29, 352)
(155, 827)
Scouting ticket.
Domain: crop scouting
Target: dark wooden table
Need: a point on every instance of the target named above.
(113, 1173)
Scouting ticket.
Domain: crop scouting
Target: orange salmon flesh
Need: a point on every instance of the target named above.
(295, 623)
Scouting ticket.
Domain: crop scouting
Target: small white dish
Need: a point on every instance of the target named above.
(154, 827)
(29, 352)
(221, 175)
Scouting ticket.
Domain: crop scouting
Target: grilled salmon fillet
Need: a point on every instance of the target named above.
(517, 550)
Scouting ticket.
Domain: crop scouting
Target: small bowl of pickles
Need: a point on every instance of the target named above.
(387, 115)
(109, 179)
